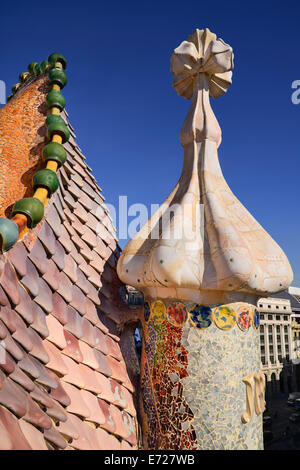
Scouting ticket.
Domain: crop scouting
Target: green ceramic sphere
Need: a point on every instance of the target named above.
(55, 152)
(44, 66)
(46, 179)
(23, 77)
(37, 69)
(59, 128)
(57, 57)
(31, 67)
(32, 207)
(9, 234)
(58, 76)
(15, 88)
(55, 98)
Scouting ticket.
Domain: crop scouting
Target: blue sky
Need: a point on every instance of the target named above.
(127, 116)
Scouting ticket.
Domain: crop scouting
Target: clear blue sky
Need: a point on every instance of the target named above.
(127, 116)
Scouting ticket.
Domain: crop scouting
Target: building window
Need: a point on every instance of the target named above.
(285, 318)
(270, 317)
(278, 317)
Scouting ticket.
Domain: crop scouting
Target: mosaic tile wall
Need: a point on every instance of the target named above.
(193, 361)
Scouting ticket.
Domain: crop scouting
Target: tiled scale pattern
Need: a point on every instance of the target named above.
(63, 379)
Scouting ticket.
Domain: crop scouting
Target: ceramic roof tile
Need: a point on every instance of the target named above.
(77, 405)
(54, 220)
(65, 287)
(91, 401)
(117, 417)
(125, 445)
(118, 369)
(65, 239)
(24, 307)
(92, 315)
(35, 415)
(118, 392)
(12, 437)
(9, 282)
(51, 275)
(89, 358)
(44, 297)
(2, 331)
(74, 323)
(72, 348)
(56, 362)
(78, 301)
(91, 274)
(3, 297)
(12, 396)
(107, 441)
(109, 424)
(22, 379)
(27, 365)
(47, 237)
(31, 280)
(59, 256)
(58, 393)
(90, 378)
(7, 363)
(82, 281)
(74, 375)
(59, 310)
(130, 426)
(58, 204)
(113, 348)
(69, 427)
(77, 226)
(39, 257)
(55, 438)
(17, 256)
(34, 437)
(44, 378)
(38, 350)
(56, 332)
(100, 342)
(11, 346)
(11, 319)
(85, 200)
(103, 363)
(88, 332)
(70, 268)
(97, 262)
(39, 320)
(93, 294)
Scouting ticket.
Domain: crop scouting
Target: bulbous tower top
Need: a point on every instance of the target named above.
(202, 244)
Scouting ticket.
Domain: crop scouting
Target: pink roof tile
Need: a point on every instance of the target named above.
(60, 301)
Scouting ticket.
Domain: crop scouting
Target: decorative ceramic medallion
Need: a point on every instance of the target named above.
(147, 311)
(255, 318)
(158, 311)
(244, 318)
(177, 314)
(201, 316)
(224, 317)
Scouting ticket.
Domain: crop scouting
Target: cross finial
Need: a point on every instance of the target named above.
(202, 53)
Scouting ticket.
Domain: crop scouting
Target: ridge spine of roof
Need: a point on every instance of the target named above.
(28, 212)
